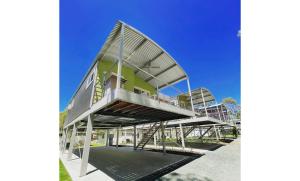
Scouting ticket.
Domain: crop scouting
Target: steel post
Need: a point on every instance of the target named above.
(117, 142)
(190, 92)
(217, 137)
(163, 137)
(86, 147)
(107, 137)
(204, 103)
(182, 136)
(120, 58)
(72, 141)
(134, 137)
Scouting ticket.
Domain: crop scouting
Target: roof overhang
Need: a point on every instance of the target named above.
(146, 56)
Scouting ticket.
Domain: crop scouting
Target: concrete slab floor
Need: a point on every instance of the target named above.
(222, 164)
(124, 163)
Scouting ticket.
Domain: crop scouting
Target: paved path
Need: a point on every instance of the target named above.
(73, 168)
(222, 164)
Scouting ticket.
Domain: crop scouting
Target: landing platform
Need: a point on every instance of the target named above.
(124, 163)
(201, 121)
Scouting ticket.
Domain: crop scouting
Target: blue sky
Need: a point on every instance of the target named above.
(201, 35)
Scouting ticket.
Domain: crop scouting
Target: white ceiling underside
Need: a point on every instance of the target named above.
(207, 96)
(144, 53)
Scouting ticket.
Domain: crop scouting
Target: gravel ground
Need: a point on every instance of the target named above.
(222, 164)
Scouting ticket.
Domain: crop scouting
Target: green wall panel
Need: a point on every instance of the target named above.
(128, 73)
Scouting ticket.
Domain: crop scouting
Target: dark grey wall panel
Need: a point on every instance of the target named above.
(81, 101)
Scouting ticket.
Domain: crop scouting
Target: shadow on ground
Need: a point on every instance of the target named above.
(125, 163)
(179, 177)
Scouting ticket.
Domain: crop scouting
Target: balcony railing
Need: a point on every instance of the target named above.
(100, 91)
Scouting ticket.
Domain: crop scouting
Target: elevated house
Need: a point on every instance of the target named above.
(123, 88)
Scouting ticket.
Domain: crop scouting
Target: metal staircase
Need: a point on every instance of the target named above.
(98, 90)
(148, 135)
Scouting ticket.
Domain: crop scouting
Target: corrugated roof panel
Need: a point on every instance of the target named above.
(142, 52)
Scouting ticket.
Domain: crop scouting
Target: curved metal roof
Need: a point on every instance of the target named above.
(207, 95)
(143, 53)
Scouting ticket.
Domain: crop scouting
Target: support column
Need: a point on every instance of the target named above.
(62, 141)
(65, 140)
(200, 131)
(86, 147)
(190, 92)
(72, 141)
(107, 137)
(120, 59)
(204, 103)
(117, 142)
(219, 112)
(155, 139)
(163, 137)
(216, 133)
(134, 137)
(220, 134)
(182, 136)
(222, 112)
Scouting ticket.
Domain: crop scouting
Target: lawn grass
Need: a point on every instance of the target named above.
(63, 174)
(97, 144)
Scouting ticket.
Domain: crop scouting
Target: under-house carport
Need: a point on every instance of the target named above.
(123, 163)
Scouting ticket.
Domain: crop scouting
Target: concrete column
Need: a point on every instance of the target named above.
(86, 147)
(163, 137)
(134, 137)
(72, 141)
(182, 136)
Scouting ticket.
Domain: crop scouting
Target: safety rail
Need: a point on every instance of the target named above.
(100, 91)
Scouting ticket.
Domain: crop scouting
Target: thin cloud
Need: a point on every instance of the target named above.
(239, 33)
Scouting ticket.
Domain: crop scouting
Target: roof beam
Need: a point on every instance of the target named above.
(137, 47)
(158, 74)
(153, 76)
(169, 83)
(148, 62)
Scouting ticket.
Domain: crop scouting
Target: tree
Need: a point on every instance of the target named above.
(62, 117)
(232, 106)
